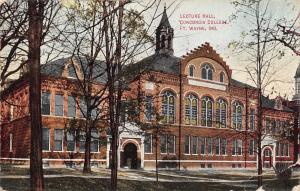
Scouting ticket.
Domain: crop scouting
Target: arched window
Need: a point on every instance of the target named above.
(237, 116)
(221, 113)
(191, 70)
(168, 107)
(169, 42)
(163, 40)
(191, 109)
(222, 76)
(72, 71)
(207, 109)
(206, 72)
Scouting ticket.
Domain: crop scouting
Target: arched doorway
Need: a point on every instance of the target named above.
(267, 158)
(130, 156)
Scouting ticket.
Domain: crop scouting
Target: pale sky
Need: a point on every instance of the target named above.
(186, 40)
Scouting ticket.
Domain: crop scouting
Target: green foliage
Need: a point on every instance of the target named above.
(135, 26)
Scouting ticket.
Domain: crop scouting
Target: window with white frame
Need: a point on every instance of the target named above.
(221, 113)
(237, 115)
(237, 146)
(81, 141)
(94, 140)
(206, 72)
(46, 139)
(10, 142)
(223, 146)
(194, 145)
(149, 108)
(71, 140)
(45, 110)
(207, 112)
(83, 107)
(187, 145)
(251, 147)
(163, 143)
(191, 109)
(71, 106)
(217, 146)
(282, 149)
(268, 126)
(191, 71)
(202, 144)
(171, 144)
(168, 107)
(11, 112)
(58, 139)
(209, 146)
(252, 120)
(148, 143)
(59, 104)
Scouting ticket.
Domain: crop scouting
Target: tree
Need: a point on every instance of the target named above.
(261, 56)
(105, 34)
(35, 17)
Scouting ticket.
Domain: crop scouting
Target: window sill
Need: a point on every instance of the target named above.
(148, 153)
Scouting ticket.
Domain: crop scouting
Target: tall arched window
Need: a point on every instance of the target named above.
(207, 109)
(168, 107)
(163, 41)
(237, 115)
(191, 70)
(221, 113)
(191, 109)
(222, 77)
(206, 72)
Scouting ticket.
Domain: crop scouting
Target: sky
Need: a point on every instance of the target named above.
(221, 10)
(221, 34)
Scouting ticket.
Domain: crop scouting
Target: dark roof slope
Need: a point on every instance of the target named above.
(164, 22)
(157, 62)
(270, 104)
(55, 68)
(297, 75)
(240, 84)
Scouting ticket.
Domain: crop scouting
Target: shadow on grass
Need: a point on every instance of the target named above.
(93, 184)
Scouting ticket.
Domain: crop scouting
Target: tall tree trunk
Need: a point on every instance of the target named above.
(114, 164)
(87, 154)
(259, 140)
(35, 11)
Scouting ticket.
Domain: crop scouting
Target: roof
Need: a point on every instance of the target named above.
(297, 75)
(164, 22)
(55, 68)
(270, 104)
(160, 62)
(240, 84)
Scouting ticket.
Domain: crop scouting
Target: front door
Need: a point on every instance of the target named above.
(130, 156)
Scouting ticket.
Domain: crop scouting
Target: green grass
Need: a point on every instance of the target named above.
(91, 184)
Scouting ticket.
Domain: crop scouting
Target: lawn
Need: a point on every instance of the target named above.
(89, 184)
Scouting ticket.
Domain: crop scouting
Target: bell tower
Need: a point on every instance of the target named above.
(164, 35)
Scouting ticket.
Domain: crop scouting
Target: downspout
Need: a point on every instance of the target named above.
(180, 114)
(247, 123)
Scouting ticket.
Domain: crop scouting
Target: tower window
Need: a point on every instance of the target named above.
(163, 40)
(169, 42)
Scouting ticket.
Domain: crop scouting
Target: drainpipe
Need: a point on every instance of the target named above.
(180, 114)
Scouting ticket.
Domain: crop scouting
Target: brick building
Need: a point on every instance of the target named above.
(208, 118)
